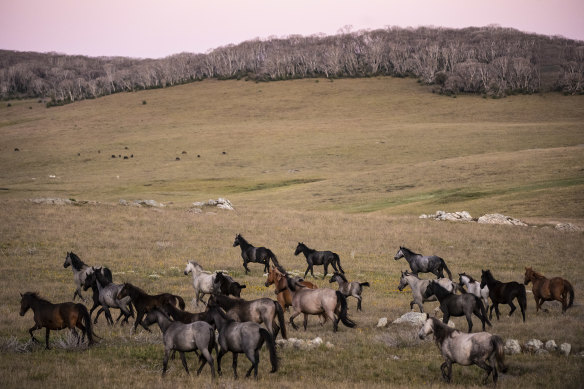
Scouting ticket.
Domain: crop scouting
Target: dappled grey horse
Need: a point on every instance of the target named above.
(466, 349)
(184, 338)
(354, 288)
(423, 264)
(419, 286)
(242, 337)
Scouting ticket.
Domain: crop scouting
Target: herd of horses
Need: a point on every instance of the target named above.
(232, 324)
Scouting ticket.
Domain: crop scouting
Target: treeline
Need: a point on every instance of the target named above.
(492, 61)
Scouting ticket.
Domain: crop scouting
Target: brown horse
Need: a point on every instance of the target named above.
(545, 289)
(278, 278)
(56, 317)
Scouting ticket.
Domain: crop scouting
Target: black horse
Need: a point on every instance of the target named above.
(227, 286)
(423, 264)
(457, 304)
(504, 293)
(314, 257)
(250, 253)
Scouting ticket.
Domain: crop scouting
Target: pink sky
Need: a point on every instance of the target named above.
(157, 28)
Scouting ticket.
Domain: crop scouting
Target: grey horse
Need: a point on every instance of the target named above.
(108, 295)
(423, 264)
(238, 337)
(347, 288)
(466, 349)
(184, 338)
(419, 286)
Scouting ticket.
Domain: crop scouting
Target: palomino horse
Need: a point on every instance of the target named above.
(314, 257)
(419, 287)
(321, 301)
(56, 317)
(423, 264)
(203, 281)
(466, 349)
(237, 337)
(263, 310)
(249, 253)
(474, 287)
(184, 338)
(80, 270)
(347, 288)
(545, 289)
(504, 293)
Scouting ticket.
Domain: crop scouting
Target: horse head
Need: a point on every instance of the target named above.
(399, 254)
(486, 276)
(427, 328)
(90, 278)
(24, 303)
(67, 260)
(236, 241)
(529, 273)
(299, 248)
(272, 276)
(403, 281)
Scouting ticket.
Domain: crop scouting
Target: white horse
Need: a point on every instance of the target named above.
(203, 281)
(474, 287)
(419, 287)
(466, 349)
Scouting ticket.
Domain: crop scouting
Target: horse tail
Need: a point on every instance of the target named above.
(522, 299)
(181, 302)
(364, 283)
(499, 349)
(483, 310)
(273, 257)
(568, 286)
(86, 320)
(271, 347)
(446, 268)
(338, 262)
(280, 313)
(343, 314)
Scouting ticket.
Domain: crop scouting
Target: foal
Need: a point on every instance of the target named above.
(347, 288)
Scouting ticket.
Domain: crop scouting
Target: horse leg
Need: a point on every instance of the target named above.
(358, 302)
(513, 308)
(108, 316)
(275, 329)
(34, 328)
(47, 337)
(234, 364)
(446, 317)
(206, 357)
(184, 361)
(245, 266)
(97, 315)
(220, 355)
(446, 369)
(496, 306)
(325, 270)
(469, 321)
(485, 366)
(165, 361)
(306, 321)
(292, 316)
(255, 362)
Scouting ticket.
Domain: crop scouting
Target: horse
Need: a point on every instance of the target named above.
(419, 286)
(56, 317)
(183, 338)
(474, 287)
(107, 297)
(314, 257)
(545, 289)
(250, 253)
(144, 302)
(203, 281)
(242, 337)
(80, 272)
(183, 316)
(423, 264)
(226, 285)
(504, 293)
(323, 301)
(347, 288)
(466, 349)
(458, 305)
(278, 278)
(263, 310)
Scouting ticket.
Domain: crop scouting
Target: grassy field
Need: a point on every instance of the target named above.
(345, 165)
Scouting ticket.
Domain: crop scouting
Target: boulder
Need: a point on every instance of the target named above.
(414, 318)
(382, 322)
(220, 203)
(565, 349)
(551, 345)
(497, 218)
(450, 216)
(52, 201)
(512, 347)
(542, 351)
(533, 345)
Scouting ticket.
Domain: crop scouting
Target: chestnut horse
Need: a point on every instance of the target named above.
(278, 278)
(545, 289)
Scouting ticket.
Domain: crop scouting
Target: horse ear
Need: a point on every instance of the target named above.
(21, 295)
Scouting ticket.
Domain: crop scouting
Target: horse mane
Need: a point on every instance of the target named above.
(36, 296)
(227, 301)
(341, 275)
(536, 274)
(242, 239)
(441, 331)
(306, 247)
(76, 262)
(407, 273)
(408, 250)
(470, 279)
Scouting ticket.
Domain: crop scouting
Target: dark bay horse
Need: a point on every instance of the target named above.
(452, 304)
(423, 264)
(144, 302)
(504, 293)
(466, 349)
(314, 257)
(262, 310)
(250, 253)
(242, 337)
(545, 289)
(56, 317)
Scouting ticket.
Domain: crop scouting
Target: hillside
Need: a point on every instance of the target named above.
(354, 145)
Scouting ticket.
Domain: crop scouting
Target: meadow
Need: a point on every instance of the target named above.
(346, 165)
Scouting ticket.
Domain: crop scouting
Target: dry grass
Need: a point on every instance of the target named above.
(345, 165)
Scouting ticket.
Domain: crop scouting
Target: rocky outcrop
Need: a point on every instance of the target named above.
(464, 216)
(497, 218)
(449, 216)
(220, 203)
(141, 203)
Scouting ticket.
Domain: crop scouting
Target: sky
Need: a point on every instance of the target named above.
(158, 28)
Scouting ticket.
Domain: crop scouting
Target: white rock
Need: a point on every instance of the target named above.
(512, 346)
(382, 322)
(317, 341)
(533, 345)
(415, 318)
(329, 345)
(565, 348)
(551, 345)
(497, 218)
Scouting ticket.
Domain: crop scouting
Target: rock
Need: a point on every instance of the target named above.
(533, 345)
(220, 203)
(542, 351)
(512, 346)
(551, 345)
(414, 318)
(141, 203)
(317, 341)
(51, 201)
(382, 322)
(567, 227)
(329, 345)
(450, 216)
(497, 218)
(565, 349)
